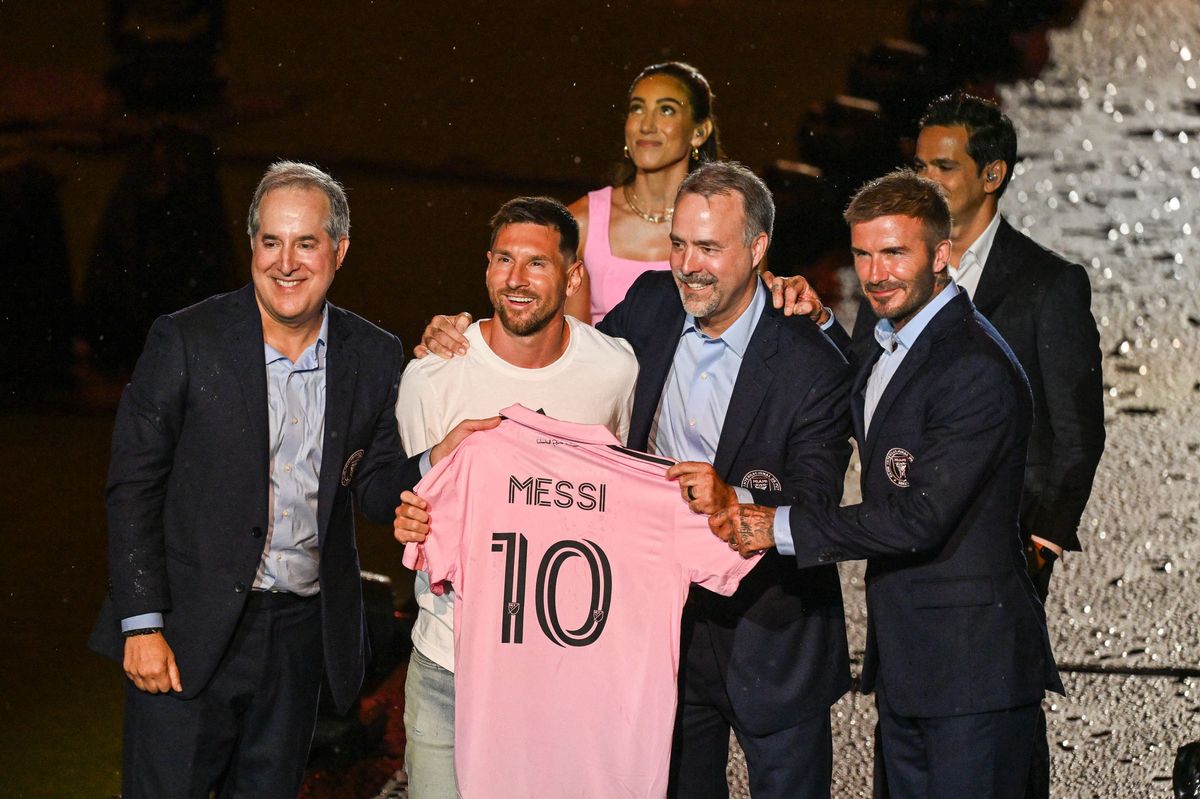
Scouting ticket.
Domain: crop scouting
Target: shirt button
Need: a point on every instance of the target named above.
(278, 556)
(239, 588)
(295, 420)
(692, 422)
(704, 375)
(287, 467)
(285, 514)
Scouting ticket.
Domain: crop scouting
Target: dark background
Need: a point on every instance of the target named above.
(432, 114)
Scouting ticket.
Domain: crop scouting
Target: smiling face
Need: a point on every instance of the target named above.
(529, 278)
(714, 267)
(659, 127)
(293, 257)
(895, 267)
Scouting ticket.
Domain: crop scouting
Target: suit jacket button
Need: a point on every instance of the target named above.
(256, 531)
(239, 588)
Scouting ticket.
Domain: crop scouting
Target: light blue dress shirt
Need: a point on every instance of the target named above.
(296, 419)
(296, 415)
(896, 345)
(696, 395)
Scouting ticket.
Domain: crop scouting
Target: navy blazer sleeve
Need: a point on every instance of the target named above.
(385, 470)
(147, 429)
(963, 443)
(1068, 353)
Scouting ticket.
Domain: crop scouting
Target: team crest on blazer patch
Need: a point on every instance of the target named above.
(896, 464)
(351, 465)
(759, 480)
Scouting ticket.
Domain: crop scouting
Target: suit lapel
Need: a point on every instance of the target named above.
(995, 277)
(244, 342)
(654, 365)
(753, 381)
(341, 377)
(913, 361)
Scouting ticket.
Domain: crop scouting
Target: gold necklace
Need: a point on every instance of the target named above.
(653, 219)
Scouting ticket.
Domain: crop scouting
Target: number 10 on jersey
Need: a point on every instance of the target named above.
(516, 549)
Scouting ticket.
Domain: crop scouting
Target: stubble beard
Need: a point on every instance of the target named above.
(532, 321)
(697, 307)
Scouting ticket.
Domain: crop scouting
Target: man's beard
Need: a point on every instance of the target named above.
(699, 308)
(531, 320)
(916, 294)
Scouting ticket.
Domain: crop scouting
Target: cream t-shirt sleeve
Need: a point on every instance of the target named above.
(419, 410)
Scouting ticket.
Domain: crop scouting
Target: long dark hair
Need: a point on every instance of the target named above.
(702, 100)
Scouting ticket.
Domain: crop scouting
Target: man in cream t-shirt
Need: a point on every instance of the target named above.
(530, 353)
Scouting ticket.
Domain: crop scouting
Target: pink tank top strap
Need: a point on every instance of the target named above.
(596, 249)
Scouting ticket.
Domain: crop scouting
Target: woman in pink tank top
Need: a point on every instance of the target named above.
(625, 228)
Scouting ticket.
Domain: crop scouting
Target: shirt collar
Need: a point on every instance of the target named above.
(982, 246)
(736, 336)
(890, 339)
(311, 358)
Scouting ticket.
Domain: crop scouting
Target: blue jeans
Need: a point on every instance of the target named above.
(429, 728)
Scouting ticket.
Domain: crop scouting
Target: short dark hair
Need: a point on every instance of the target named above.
(730, 177)
(540, 211)
(990, 133)
(903, 193)
(702, 100)
(295, 174)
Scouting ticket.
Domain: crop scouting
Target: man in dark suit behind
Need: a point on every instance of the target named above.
(957, 651)
(1041, 304)
(253, 424)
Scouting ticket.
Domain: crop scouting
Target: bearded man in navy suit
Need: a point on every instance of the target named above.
(957, 651)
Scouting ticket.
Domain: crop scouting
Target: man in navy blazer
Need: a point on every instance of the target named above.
(755, 404)
(957, 651)
(1041, 304)
(254, 423)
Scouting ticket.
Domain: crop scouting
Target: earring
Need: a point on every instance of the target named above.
(991, 175)
(695, 153)
(627, 151)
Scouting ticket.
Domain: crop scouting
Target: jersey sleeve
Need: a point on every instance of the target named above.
(446, 489)
(707, 560)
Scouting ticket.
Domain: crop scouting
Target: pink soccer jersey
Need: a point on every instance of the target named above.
(571, 559)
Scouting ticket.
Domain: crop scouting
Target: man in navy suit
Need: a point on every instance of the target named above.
(755, 405)
(957, 651)
(1041, 304)
(253, 425)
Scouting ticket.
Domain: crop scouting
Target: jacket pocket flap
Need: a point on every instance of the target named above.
(952, 592)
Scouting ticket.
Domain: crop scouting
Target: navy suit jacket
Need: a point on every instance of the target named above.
(189, 480)
(1041, 304)
(954, 625)
(781, 638)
